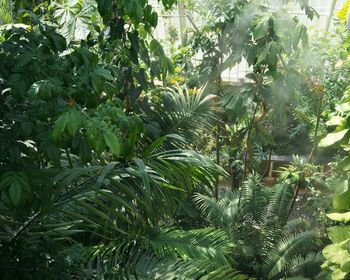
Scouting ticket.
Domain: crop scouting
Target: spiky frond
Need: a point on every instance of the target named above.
(279, 207)
(147, 266)
(183, 113)
(210, 208)
(279, 260)
(254, 198)
(222, 213)
(207, 243)
(308, 265)
(268, 244)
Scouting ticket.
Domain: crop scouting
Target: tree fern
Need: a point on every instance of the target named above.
(211, 209)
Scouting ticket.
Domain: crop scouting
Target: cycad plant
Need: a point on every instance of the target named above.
(269, 245)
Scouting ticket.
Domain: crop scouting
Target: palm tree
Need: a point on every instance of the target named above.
(114, 219)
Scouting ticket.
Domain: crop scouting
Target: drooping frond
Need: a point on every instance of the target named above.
(145, 265)
(176, 165)
(308, 265)
(207, 243)
(115, 199)
(183, 113)
(210, 208)
(279, 260)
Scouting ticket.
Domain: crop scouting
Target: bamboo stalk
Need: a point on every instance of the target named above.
(182, 23)
(329, 19)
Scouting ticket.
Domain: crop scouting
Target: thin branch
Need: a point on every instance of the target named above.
(329, 18)
(192, 22)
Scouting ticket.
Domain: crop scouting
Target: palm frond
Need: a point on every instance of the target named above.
(279, 207)
(211, 209)
(253, 198)
(183, 113)
(145, 265)
(207, 243)
(279, 260)
(308, 265)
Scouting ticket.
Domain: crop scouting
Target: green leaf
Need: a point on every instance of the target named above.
(103, 73)
(332, 138)
(6, 179)
(97, 82)
(99, 142)
(262, 56)
(261, 29)
(105, 9)
(75, 19)
(70, 121)
(335, 120)
(344, 164)
(142, 171)
(336, 253)
(346, 266)
(341, 201)
(340, 217)
(112, 142)
(75, 121)
(338, 274)
(59, 127)
(156, 144)
(142, 78)
(156, 48)
(339, 233)
(15, 192)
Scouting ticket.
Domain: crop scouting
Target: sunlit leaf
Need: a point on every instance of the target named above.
(340, 217)
(333, 137)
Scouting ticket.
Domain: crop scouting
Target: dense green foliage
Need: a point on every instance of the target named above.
(107, 141)
(337, 254)
(269, 245)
